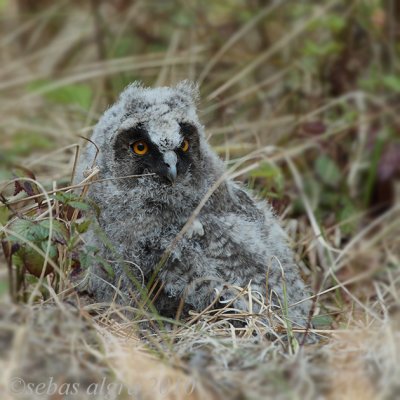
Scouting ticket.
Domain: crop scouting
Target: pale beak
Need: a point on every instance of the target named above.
(171, 174)
(170, 160)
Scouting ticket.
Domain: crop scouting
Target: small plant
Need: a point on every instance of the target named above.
(39, 234)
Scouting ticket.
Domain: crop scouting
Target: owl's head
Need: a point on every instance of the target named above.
(153, 131)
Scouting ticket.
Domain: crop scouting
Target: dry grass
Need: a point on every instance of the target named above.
(302, 102)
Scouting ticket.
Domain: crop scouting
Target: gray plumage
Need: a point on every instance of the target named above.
(234, 239)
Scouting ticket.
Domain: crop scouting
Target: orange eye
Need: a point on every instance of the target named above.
(185, 145)
(140, 147)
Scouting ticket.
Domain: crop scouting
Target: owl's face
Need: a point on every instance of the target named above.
(137, 152)
(158, 133)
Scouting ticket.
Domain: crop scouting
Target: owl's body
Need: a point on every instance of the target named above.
(233, 240)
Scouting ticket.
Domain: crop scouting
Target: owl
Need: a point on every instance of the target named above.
(170, 216)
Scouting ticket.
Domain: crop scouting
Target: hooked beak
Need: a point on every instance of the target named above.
(170, 160)
(171, 173)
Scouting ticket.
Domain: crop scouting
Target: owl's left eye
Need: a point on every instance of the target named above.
(185, 145)
(140, 147)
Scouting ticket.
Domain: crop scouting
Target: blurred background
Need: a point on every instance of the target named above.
(306, 93)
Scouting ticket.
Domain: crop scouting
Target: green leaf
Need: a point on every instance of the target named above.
(327, 170)
(322, 320)
(53, 252)
(29, 230)
(83, 226)
(84, 259)
(65, 197)
(79, 205)
(3, 287)
(89, 258)
(265, 170)
(86, 256)
(392, 82)
(38, 232)
(182, 19)
(335, 22)
(373, 166)
(78, 93)
(345, 213)
(33, 261)
(92, 249)
(60, 232)
(3, 5)
(22, 227)
(106, 266)
(25, 142)
(122, 47)
(312, 48)
(4, 215)
(31, 279)
(272, 174)
(73, 200)
(5, 175)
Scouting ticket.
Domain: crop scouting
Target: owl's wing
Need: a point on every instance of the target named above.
(239, 201)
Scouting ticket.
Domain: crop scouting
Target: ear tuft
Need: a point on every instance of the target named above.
(189, 89)
(131, 90)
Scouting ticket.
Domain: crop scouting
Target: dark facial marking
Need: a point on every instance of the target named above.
(127, 162)
(188, 130)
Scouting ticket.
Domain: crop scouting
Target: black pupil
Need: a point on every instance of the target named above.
(140, 146)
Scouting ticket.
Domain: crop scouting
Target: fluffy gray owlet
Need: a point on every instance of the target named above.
(234, 240)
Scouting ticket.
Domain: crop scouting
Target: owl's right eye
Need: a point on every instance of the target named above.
(140, 147)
